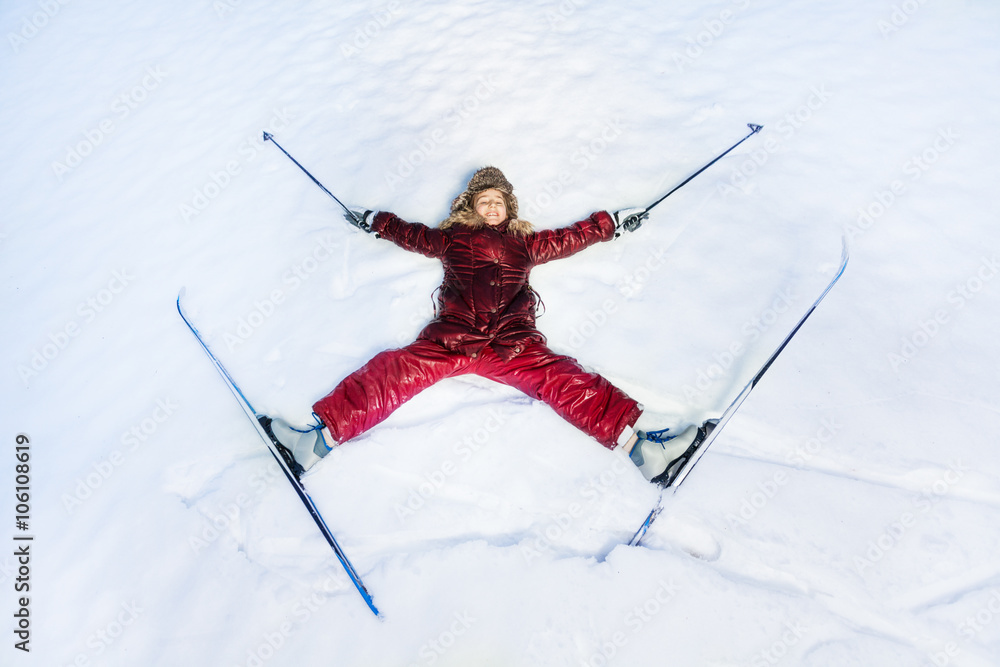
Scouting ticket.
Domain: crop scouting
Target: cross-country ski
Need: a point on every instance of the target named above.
(711, 428)
(261, 424)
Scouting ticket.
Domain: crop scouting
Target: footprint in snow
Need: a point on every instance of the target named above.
(696, 540)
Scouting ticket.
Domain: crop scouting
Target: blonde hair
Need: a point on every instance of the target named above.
(467, 216)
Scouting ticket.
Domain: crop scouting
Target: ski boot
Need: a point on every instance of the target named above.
(301, 448)
(660, 457)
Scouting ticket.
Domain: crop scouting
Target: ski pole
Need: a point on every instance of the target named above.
(754, 129)
(270, 137)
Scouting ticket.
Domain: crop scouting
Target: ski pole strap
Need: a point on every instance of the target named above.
(754, 129)
(270, 137)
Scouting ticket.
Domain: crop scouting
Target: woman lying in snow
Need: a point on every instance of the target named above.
(485, 324)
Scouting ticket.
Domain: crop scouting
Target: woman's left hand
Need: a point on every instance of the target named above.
(629, 219)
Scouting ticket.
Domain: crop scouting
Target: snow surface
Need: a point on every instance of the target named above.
(847, 516)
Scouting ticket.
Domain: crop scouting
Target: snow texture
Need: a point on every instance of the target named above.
(850, 513)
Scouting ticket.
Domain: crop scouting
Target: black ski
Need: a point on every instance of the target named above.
(713, 427)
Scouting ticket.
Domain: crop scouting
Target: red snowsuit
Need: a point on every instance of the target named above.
(485, 325)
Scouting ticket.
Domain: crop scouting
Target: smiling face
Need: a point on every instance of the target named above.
(491, 206)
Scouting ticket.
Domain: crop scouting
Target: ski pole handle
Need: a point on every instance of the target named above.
(754, 129)
(270, 137)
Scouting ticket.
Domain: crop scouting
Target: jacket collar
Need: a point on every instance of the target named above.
(502, 227)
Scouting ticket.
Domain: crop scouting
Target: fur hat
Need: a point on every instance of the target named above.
(487, 178)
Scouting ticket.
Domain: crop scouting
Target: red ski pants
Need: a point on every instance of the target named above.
(373, 392)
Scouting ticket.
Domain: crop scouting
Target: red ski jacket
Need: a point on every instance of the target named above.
(485, 298)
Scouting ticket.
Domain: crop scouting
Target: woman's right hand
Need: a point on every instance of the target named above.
(361, 218)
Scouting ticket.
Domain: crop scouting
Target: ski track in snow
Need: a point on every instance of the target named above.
(848, 515)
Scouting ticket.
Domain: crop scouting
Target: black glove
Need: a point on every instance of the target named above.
(629, 219)
(361, 218)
